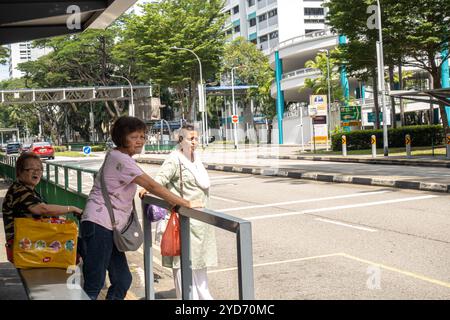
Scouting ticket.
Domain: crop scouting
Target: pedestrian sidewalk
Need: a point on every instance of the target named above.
(398, 172)
(11, 287)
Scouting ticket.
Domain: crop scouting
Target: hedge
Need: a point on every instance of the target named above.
(420, 136)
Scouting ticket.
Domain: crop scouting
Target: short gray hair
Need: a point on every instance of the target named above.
(185, 129)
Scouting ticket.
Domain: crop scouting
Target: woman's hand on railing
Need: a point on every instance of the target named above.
(196, 204)
(142, 193)
(77, 211)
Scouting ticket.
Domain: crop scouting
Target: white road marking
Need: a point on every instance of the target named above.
(359, 205)
(346, 225)
(233, 179)
(223, 177)
(305, 201)
(279, 262)
(223, 199)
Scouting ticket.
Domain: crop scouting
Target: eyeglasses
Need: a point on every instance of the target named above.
(34, 170)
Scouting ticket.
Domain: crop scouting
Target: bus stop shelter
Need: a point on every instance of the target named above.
(24, 20)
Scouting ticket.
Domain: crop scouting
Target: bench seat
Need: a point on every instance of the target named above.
(50, 284)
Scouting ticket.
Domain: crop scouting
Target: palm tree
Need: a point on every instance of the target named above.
(319, 85)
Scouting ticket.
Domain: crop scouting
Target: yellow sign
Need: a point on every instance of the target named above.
(373, 140)
(344, 140)
(407, 139)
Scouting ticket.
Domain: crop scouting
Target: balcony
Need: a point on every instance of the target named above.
(292, 81)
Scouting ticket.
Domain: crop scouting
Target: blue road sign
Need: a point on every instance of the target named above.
(86, 150)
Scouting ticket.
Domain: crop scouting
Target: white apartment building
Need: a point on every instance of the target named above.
(266, 23)
(22, 52)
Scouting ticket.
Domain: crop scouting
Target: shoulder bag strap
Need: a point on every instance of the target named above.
(105, 193)
(181, 180)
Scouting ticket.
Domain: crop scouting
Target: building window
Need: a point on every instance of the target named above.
(273, 35)
(237, 29)
(254, 41)
(262, 17)
(236, 10)
(314, 20)
(251, 3)
(273, 13)
(229, 31)
(314, 12)
(252, 22)
(263, 39)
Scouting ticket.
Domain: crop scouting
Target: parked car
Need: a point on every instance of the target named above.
(25, 148)
(43, 149)
(13, 147)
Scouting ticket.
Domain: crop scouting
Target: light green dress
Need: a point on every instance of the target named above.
(203, 239)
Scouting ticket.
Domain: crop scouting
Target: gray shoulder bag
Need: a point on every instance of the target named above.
(131, 237)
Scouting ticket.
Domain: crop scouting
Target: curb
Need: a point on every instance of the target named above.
(403, 162)
(323, 177)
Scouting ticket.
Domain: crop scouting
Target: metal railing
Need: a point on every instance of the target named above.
(308, 36)
(240, 227)
(301, 72)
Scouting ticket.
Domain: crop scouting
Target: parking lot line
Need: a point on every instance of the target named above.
(404, 272)
(345, 196)
(346, 225)
(279, 262)
(345, 255)
(358, 205)
(223, 199)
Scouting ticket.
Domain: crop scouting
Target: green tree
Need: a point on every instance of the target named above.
(413, 35)
(319, 85)
(193, 24)
(252, 68)
(4, 53)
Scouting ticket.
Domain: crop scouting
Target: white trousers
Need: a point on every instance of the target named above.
(200, 289)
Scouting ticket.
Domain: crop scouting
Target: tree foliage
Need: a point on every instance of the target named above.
(414, 34)
(319, 85)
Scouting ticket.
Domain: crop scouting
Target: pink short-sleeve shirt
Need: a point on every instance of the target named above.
(119, 171)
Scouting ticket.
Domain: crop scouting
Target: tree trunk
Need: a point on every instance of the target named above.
(431, 111)
(375, 101)
(392, 86)
(108, 108)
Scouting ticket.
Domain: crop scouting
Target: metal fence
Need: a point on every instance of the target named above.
(242, 229)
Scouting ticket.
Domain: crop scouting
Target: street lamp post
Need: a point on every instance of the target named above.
(131, 109)
(329, 91)
(201, 97)
(381, 80)
(234, 108)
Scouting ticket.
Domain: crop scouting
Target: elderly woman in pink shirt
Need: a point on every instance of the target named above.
(122, 176)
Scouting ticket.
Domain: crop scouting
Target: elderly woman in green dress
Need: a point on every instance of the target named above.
(195, 182)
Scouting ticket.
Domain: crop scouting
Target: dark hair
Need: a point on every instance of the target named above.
(123, 127)
(20, 164)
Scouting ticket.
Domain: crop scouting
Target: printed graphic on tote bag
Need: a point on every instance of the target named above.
(25, 244)
(69, 245)
(40, 245)
(55, 245)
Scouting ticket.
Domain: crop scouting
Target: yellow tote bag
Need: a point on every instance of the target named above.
(43, 244)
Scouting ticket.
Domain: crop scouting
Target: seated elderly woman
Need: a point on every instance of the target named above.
(23, 201)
